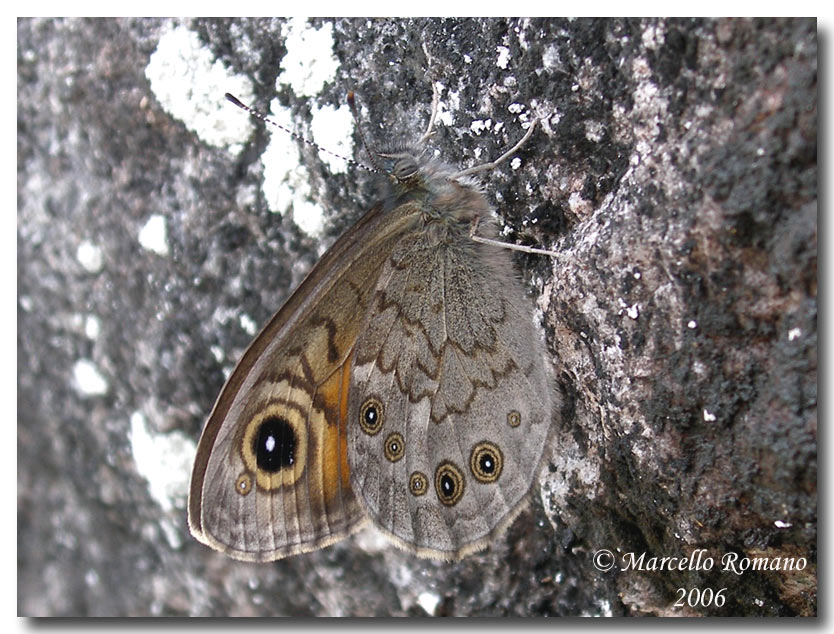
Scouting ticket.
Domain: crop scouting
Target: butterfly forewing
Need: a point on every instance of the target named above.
(271, 476)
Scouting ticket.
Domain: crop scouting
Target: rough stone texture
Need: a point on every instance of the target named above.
(675, 175)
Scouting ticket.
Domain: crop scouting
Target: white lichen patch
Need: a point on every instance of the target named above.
(154, 235)
(332, 130)
(503, 56)
(630, 310)
(594, 131)
(190, 86)
(653, 37)
(550, 57)
(309, 62)
(479, 125)
(87, 379)
(428, 601)
(164, 460)
(92, 326)
(248, 324)
(372, 540)
(558, 486)
(579, 206)
(90, 257)
(286, 184)
(447, 107)
(309, 217)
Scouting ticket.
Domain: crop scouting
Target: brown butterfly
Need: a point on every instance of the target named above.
(403, 381)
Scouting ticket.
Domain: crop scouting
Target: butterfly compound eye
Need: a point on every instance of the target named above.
(404, 169)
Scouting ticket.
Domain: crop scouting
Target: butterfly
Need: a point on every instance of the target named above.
(403, 383)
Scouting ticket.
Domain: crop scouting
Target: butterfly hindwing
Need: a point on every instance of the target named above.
(450, 404)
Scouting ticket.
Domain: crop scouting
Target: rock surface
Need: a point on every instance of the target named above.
(675, 176)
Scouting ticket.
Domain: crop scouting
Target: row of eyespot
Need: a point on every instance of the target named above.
(371, 417)
(486, 460)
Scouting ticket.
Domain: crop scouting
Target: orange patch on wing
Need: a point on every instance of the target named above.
(343, 416)
(335, 471)
(329, 395)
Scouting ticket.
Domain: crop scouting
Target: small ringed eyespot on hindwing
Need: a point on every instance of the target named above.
(448, 483)
(486, 462)
(243, 484)
(371, 416)
(418, 484)
(514, 419)
(394, 447)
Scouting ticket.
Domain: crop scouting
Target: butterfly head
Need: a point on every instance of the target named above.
(406, 170)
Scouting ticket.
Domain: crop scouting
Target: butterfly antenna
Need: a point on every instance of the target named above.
(351, 99)
(294, 135)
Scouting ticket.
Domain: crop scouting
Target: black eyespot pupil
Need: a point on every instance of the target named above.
(487, 463)
(447, 484)
(371, 415)
(275, 444)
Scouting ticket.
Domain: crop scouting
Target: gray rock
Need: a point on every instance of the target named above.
(674, 174)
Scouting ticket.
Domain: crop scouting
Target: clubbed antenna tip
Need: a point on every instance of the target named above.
(235, 100)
